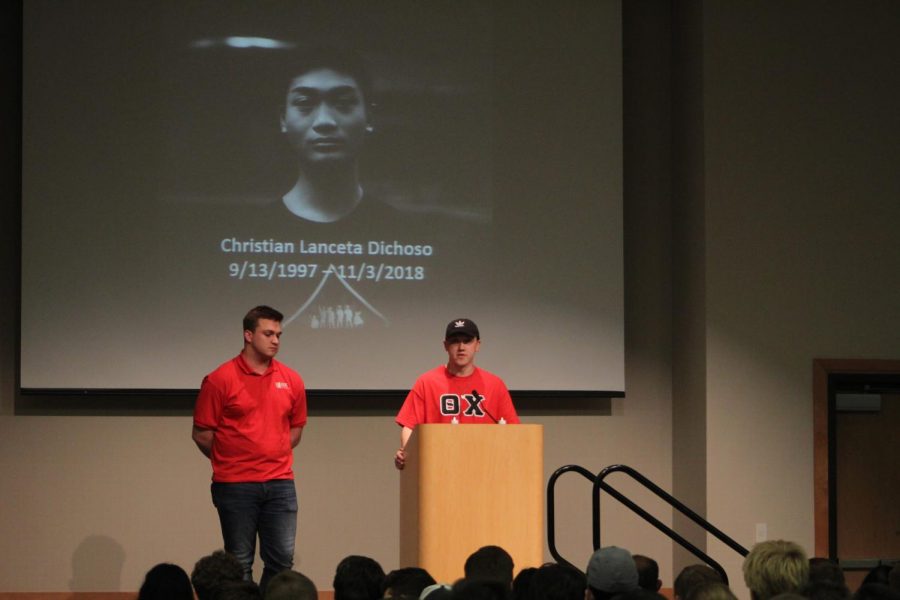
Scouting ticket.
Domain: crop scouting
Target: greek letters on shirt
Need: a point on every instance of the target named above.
(451, 405)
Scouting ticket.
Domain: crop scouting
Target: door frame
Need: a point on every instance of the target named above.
(823, 368)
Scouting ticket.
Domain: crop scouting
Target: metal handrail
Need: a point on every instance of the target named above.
(600, 484)
(551, 507)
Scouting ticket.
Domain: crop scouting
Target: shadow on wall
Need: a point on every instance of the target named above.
(97, 565)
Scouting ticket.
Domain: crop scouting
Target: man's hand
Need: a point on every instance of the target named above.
(400, 457)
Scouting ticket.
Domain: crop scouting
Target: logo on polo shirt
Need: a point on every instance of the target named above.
(280, 385)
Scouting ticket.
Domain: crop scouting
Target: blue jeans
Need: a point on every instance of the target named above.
(267, 509)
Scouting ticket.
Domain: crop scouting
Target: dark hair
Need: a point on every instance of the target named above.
(212, 571)
(491, 563)
(692, 576)
(879, 574)
(648, 572)
(558, 582)
(358, 578)
(251, 319)
(340, 60)
(237, 590)
(600, 594)
(876, 591)
(166, 581)
(823, 589)
(291, 585)
(407, 582)
(825, 569)
(522, 583)
(480, 589)
(640, 594)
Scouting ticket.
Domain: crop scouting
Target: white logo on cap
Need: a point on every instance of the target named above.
(459, 324)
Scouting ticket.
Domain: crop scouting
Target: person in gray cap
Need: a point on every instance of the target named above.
(458, 392)
(611, 571)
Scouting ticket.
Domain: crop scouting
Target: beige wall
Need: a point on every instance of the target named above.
(761, 232)
(802, 212)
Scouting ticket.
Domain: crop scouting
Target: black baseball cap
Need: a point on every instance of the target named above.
(462, 327)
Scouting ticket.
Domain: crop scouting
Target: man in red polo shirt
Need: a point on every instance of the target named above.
(247, 419)
(458, 392)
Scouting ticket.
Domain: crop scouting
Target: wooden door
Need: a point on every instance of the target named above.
(867, 484)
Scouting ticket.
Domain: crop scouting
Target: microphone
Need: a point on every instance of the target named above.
(494, 419)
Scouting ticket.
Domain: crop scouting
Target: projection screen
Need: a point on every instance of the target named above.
(370, 169)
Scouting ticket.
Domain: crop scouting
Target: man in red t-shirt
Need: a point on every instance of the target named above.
(248, 417)
(459, 392)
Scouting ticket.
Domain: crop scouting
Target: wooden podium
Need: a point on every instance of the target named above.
(468, 486)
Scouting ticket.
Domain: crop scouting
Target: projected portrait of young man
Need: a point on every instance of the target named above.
(325, 119)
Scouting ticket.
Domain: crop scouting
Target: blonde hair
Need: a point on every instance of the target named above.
(775, 567)
(712, 591)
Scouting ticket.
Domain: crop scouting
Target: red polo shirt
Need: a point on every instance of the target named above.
(252, 416)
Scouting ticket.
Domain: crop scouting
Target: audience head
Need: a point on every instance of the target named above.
(479, 589)
(825, 581)
(406, 583)
(825, 569)
(358, 578)
(611, 571)
(788, 596)
(641, 594)
(166, 582)
(438, 591)
(557, 582)
(824, 589)
(291, 585)
(237, 590)
(876, 591)
(881, 583)
(693, 576)
(775, 567)
(491, 563)
(214, 570)
(521, 587)
(880, 574)
(648, 573)
(712, 590)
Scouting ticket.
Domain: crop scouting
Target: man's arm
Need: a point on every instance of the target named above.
(400, 456)
(296, 434)
(204, 439)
